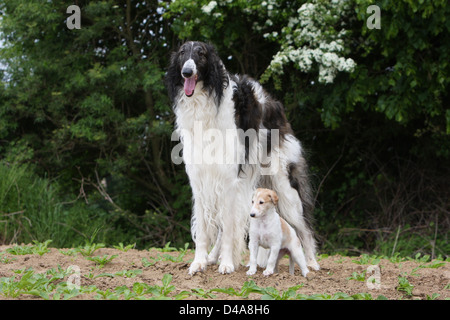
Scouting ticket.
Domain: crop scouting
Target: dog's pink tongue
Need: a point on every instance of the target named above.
(189, 86)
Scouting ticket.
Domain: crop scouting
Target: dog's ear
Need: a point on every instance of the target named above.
(273, 195)
(173, 77)
(216, 78)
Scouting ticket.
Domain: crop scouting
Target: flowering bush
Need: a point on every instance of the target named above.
(315, 35)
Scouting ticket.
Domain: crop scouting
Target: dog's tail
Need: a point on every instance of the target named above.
(299, 178)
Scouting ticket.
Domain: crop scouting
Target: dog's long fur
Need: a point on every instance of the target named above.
(222, 192)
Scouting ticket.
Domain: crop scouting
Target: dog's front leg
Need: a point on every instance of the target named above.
(201, 242)
(273, 257)
(226, 250)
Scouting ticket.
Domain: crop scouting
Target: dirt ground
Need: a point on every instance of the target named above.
(332, 278)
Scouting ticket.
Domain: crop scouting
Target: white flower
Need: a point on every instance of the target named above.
(209, 7)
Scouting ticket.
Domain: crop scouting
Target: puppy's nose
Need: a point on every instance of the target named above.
(252, 215)
(187, 72)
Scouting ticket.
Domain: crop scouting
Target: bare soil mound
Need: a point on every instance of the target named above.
(153, 273)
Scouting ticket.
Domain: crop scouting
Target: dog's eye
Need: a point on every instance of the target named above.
(201, 53)
(252, 201)
(182, 52)
(261, 202)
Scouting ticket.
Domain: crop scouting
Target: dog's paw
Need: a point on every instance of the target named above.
(313, 265)
(267, 272)
(226, 268)
(197, 266)
(251, 272)
(305, 272)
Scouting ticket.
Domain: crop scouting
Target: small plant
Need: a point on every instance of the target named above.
(417, 258)
(366, 259)
(146, 263)
(405, 286)
(126, 248)
(102, 261)
(90, 248)
(167, 248)
(128, 273)
(273, 294)
(69, 252)
(434, 296)
(5, 258)
(358, 276)
(38, 248)
(20, 250)
(396, 258)
(247, 288)
(434, 264)
(41, 247)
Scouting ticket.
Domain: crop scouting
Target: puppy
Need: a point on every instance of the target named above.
(270, 231)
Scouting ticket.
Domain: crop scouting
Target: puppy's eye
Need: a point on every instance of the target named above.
(201, 53)
(261, 202)
(182, 51)
(252, 201)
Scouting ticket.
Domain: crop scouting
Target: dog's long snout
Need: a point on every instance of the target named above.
(187, 72)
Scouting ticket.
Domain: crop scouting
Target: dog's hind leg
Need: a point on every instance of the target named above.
(291, 209)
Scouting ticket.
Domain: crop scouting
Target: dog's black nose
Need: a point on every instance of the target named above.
(252, 215)
(187, 72)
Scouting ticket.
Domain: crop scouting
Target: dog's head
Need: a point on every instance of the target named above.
(192, 63)
(263, 200)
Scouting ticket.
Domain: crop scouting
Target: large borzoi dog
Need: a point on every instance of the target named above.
(235, 138)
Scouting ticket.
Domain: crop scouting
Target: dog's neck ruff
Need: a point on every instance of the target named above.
(201, 106)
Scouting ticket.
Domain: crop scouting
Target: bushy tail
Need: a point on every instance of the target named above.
(300, 180)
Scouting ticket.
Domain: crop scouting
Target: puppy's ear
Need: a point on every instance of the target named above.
(273, 195)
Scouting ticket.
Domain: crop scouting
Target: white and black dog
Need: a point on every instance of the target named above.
(235, 138)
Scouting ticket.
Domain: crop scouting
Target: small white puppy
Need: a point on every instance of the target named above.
(270, 231)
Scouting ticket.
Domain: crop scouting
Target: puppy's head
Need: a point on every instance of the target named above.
(263, 200)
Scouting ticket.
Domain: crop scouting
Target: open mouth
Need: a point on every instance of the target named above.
(189, 85)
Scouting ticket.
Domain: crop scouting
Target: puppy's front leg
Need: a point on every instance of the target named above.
(253, 246)
(273, 257)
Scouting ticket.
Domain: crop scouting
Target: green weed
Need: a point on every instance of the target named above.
(45, 285)
(366, 259)
(101, 261)
(38, 248)
(90, 248)
(357, 276)
(405, 286)
(247, 288)
(126, 248)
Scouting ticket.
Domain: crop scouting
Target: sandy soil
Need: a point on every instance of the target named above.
(332, 278)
